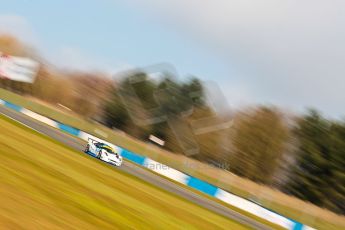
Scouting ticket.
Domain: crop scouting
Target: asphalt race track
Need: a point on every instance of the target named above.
(137, 171)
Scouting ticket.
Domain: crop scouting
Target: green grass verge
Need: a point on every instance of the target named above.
(47, 186)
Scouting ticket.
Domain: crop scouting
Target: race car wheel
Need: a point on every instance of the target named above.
(99, 154)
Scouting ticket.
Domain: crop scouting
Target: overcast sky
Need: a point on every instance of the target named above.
(290, 53)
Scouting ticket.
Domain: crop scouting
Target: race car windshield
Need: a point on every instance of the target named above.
(110, 151)
(98, 145)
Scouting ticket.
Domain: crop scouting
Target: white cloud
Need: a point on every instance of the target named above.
(288, 52)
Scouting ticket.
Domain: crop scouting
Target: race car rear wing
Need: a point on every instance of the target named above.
(92, 141)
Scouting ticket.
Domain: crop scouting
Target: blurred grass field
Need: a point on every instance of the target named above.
(45, 185)
(286, 205)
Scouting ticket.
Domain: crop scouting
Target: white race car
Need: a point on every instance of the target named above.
(103, 152)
